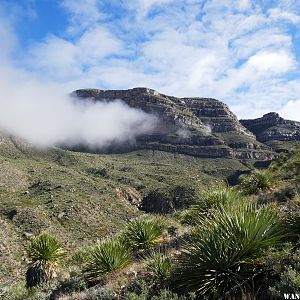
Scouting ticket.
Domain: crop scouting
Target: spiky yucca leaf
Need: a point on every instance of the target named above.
(44, 253)
(144, 232)
(223, 250)
(108, 256)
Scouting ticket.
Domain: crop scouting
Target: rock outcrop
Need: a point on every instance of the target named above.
(274, 131)
(202, 127)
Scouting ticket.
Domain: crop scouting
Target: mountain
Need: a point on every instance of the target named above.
(274, 131)
(201, 127)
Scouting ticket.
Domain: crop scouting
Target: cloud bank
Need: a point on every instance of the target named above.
(245, 53)
(45, 116)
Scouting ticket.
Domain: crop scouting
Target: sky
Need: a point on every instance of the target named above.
(244, 53)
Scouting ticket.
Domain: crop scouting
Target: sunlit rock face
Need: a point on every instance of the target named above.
(202, 127)
(275, 131)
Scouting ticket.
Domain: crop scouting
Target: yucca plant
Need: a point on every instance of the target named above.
(45, 253)
(160, 265)
(224, 250)
(107, 257)
(144, 232)
(259, 180)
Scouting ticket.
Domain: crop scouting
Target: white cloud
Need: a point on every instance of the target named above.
(84, 13)
(239, 51)
(277, 14)
(144, 6)
(291, 110)
(66, 60)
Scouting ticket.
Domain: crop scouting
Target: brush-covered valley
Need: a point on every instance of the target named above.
(146, 224)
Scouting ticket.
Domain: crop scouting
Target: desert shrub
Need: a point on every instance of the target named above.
(72, 284)
(259, 180)
(108, 256)
(146, 293)
(81, 256)
(144, 232)
(223, 254)
(289, 283)
(160, 265)
(284, 271)
(20, 292)
(45, 253)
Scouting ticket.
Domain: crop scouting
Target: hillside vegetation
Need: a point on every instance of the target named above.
(82, 197)
(74, 228)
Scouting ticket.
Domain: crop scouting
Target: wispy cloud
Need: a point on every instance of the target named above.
(242, 52)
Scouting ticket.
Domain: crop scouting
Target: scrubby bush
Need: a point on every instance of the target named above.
(283, 268)
(108, 256)
(45, 253)
(146, 293)
(144, 232)
(223, 254)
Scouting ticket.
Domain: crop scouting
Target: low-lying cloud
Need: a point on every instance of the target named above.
(44, 115)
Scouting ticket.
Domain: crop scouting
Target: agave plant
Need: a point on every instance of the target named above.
(256, 181)
(45, 253)
(108, 256)
(223, 251)
(142, 233)
(159, 264)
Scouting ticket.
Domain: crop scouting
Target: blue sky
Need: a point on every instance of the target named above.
(245, 53)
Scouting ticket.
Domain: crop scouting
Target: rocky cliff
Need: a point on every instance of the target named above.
(202, 127)
(275, 131)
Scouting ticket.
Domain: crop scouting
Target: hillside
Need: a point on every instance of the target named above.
(81, 197)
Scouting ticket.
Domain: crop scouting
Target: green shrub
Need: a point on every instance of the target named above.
(81, 256)
(45, 253)
(147, 293)
(259, 180)
(284, 266)
(109, 256)
(20, 292)
(159, 264)
(223, 251)
(144, 232)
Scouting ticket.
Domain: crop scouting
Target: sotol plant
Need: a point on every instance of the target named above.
(212, 198)
(45, 253)
(108, 256)
(222, 252)
(159, 264)
(144, 232)
(256, 181)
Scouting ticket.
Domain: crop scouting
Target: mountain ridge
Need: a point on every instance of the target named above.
(211, 129)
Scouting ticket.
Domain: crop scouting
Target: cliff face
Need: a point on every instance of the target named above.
(275, 131)
(201, 127)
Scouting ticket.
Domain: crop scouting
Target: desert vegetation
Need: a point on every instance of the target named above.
(238, 242)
